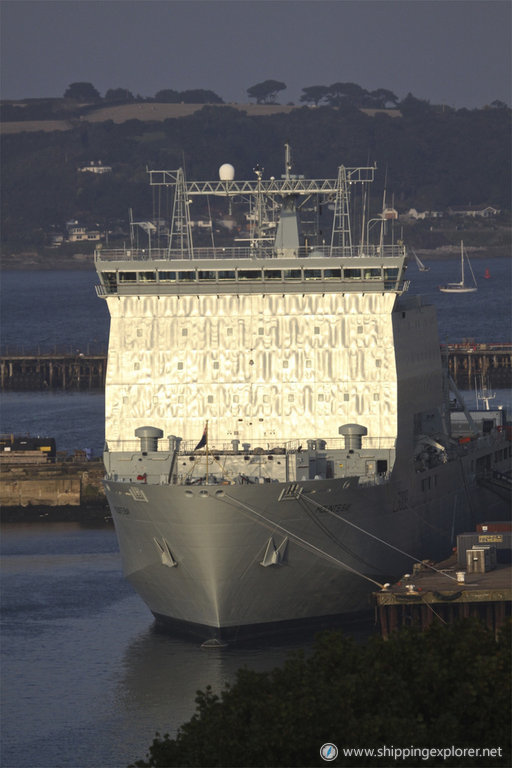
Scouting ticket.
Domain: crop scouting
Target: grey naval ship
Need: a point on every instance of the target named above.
(280, 439)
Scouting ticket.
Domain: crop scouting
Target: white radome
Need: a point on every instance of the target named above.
(226, 172)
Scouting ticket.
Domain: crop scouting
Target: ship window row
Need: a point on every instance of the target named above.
(110, 279)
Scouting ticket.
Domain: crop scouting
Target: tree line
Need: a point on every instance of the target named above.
(82, 96)
(264, 93)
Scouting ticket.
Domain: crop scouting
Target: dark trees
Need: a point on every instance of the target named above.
(200, 96)
(314, 94)
(381, 99)
(82, 92)
(168, 96)
(416, 690)
(343, 94)
(119, 94)
(265, 92)
(193, 96)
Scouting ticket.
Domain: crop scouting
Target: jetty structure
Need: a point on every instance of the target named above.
(32, 370)
(279, 439)
(475, 581)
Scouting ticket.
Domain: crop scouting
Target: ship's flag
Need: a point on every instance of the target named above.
(204, 438)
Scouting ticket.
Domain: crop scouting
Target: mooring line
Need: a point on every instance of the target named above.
(302, 542)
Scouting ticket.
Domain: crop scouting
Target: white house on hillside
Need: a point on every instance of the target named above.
(485, 211)
(97, 167)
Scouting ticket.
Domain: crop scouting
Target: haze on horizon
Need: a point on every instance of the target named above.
(453, 52)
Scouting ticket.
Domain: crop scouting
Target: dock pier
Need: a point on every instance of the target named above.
(427, 596)
(33, 371)
(467, 360)
(75, 370)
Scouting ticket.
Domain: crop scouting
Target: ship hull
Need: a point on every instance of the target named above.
(229, 561)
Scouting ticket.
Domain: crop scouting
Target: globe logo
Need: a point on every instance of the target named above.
(328, 752)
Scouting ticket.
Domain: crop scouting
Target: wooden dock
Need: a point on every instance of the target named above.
(21, 370)
(493, 362)
(427, 595)
(67, 371)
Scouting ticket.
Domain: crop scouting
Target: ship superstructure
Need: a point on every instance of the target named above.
(275, 406)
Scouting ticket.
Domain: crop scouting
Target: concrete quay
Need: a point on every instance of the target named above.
(63, 484)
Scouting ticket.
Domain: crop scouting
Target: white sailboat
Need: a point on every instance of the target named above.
(421, 266)
(462, 286)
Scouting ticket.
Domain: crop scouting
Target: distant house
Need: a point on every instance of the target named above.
(484, 211)
(77, 232)
(97, 167)
(412, 213)
(201, 223)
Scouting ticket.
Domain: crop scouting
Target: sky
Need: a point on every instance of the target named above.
(453, 52)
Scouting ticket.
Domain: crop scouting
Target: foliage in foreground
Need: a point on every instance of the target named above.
(447, 686)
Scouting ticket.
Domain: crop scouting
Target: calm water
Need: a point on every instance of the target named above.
(86, 681)
(46, 308)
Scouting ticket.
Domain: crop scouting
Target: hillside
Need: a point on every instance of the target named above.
(430, 159)
(144, 111)
(153, 111)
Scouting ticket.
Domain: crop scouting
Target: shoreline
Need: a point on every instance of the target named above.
(33, 261)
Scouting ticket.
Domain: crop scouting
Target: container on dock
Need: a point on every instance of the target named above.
(481, 559)
(500, 540)
(494, 526)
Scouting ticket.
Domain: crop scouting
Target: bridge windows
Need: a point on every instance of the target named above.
(127, 277)
(352, 274)
(249, 274)
(386, 275)
(147, 277)
(109, 281)
(166, 277)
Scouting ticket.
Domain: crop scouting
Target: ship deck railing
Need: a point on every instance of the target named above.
(248, 253)
(223, 479)
(255, 448)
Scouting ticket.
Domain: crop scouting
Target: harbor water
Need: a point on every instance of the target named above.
(86, 678)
